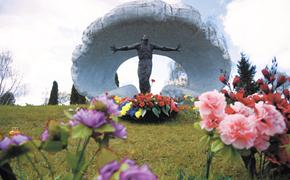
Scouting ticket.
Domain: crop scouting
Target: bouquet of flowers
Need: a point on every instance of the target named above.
(147, 107)
(240, 125)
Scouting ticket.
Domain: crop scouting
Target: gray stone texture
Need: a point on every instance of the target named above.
(125, 91)
(202, 55)
(175, 91)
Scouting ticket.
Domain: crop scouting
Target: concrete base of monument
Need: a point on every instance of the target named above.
(124, 91)
(175, 91)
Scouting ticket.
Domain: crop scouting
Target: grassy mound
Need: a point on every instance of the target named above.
(165, 147)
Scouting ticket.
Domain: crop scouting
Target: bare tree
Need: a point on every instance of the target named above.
(10, 82)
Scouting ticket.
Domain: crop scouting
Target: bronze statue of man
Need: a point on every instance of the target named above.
(145, 51)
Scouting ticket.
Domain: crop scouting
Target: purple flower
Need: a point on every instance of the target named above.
(112, 107)
(90, 118)
(108, 170)
(138, 173)
(5, 143)
(129, 162)
(44, 136)
(120, 130)
(73, 123)
(19, 139)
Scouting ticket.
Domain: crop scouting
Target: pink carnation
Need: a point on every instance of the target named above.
(240, 108)
(211, 121)
(238, 131)
(269, 120)
(212, 109)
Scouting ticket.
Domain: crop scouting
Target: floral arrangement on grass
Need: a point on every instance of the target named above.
(243, 126)
(98, 123)
(147, 107)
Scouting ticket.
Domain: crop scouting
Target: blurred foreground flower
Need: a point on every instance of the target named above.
(126, 170)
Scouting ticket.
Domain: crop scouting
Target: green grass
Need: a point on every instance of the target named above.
(165, 147)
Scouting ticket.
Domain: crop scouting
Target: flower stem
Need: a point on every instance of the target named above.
(45, 159)
(19, 169)
(33, 166)
(208, 163)
(75, 173)
(91, 160)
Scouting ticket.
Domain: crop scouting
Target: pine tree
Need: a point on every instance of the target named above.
(247, 73)
(76, 98)
(53, 99)
(7, 98)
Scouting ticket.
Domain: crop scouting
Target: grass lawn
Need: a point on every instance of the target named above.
(165, 147)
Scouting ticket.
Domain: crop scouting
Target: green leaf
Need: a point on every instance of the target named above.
(52, 146)
(64, 135)
(181, 175)
(81, 131)
(72, 161)
(165, 111)
(205, 139)
(106, 128)
(196, 126)
(69, 176)
(216, 146)
(231, 154)
(156, 111)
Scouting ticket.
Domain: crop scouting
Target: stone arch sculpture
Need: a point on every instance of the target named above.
(203, 52)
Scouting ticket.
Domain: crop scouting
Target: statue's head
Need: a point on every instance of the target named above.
(145, 39)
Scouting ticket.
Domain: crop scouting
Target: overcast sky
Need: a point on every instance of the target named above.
(42, 34)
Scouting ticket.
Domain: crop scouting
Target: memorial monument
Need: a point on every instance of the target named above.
(203, 54)
(145, 53)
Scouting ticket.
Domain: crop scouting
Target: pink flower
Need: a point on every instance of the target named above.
(238, 131)
(269, 120)
(212, 109)
(209, 122)
(262, 142)
(240, 108)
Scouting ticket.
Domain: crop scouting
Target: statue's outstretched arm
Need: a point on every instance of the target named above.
(163, 48)
(124, 48)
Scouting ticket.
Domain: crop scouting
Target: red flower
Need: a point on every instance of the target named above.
(260, 81)
(153, 80)
(236, 81)
(266, 73)
(272, 78)
(222, 78)
(161, 103)
(265, 88)
(257, 98)
(158, 98)
(173, 107)
(150, 104)
(141, 104)
(229, 110)
(281, 80)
